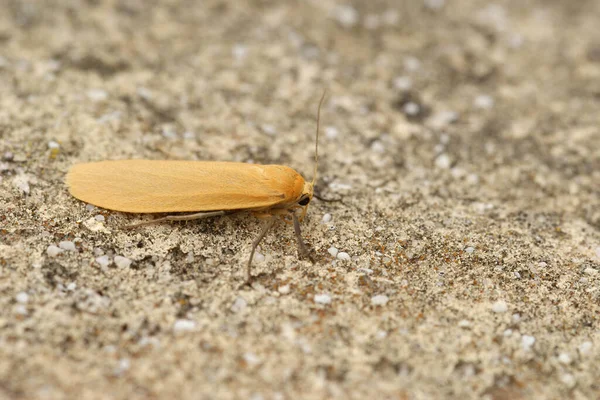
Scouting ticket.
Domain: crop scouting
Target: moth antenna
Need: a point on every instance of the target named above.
(317, 140)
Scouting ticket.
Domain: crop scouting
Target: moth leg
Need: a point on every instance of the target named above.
(302, 249)
(188, 217)
(255, 244)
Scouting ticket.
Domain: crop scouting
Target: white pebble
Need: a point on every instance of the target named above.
(564, 358)
(585, 348)
(331, 132)
(21, 182)
(464, 323)
(411, 108)
(53, 250)
(403, 83)
(67, 245)
(500, 307)
(269, 129)
(443, 161)
(284, 289)
(435, 4)
(412, 63)
(53, 145)
(184, 325)
(20, 309)
(590, 271)
(251, 359)
(103, 261)
(484, 102)
(527, 341)
(379, 300)
(470, 249)
(259, 257)
(239, 51)
(333, 251)
(542, 264)
(122, 262)
(71, 286)
(322, 298)
(99, 218)
(473, 179)
(342, 255)
(346, 15)
(123, 366)
(378, 147)
(22, 297)
(97, 95)
(239, 304)
(598, 251)
(327, 218)
(507, 332)
(569, 380)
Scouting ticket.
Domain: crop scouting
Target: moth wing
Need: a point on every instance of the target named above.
(149, 186)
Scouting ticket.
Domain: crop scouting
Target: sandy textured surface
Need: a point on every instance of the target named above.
(462, 137)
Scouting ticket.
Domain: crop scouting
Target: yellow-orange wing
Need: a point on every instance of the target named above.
(148, 186)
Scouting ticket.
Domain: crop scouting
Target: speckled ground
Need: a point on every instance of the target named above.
(461, 136)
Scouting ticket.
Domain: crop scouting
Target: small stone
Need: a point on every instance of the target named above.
(470, 249)
(21, 182)
(184, 325)
(20, 309)
(97, 95)
(527, 341)
(239, 305)
(251, 359)
(443, 161)
(564, 358)
(412, 63)
(67, 245)
(333, 251)
(269, 129)
(585, 348)
(484, 102)
(331, 132)
(71, 286)
(322, 299)
(500, 307)
(464, 323)
(103, 261)
(327, 218)
(590, 271)
(346, 15)
(379, 300)
(435, 4)
(403, 83)
(343, 256)
(259, 257)
(22, 297)
(53, 251)
(52, 145)
(569, 380)
(284, 289)
(123, 366)
(122, 262)
(411, 108)
(8, 156)
(99, 218)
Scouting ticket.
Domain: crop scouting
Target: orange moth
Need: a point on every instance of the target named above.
(207, 188)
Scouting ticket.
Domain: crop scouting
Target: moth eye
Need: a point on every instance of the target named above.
(304, 201)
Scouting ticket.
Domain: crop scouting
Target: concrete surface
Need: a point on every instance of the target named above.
(461, 136)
